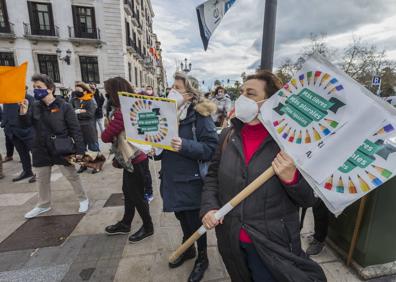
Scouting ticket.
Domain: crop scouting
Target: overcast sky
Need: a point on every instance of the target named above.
(236, 44)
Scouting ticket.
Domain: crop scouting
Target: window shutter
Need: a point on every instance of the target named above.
(76, 22)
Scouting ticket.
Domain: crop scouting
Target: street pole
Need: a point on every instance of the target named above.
(267, 51)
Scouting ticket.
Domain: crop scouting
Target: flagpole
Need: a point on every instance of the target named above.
(267, 51)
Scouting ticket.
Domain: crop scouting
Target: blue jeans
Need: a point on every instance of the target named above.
(94, 147)
(258, 270)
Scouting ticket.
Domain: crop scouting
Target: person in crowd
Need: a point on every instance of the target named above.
(321, 222)
(20, 137)
(8, 143)
(167, 90)
(149, 91)
(51, 118)
(224, 105)
(181, 182)
(100, 100)
(1, 157)
(133, 183)
(259, 240)
(84, 106)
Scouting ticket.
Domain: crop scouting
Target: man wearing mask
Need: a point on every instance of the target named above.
(224, 105)
(100, 100)
(21, 137)
(53, 120)
(149, 91)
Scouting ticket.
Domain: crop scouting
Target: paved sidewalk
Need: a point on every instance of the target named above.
(89, 255)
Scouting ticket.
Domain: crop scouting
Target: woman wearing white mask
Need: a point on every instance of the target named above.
(259, 240)
(181, 180)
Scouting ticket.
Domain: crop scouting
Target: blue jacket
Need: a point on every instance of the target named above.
(181, 183)
(12, 125)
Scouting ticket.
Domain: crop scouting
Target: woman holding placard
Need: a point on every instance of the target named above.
(181, 176)
(259, 240)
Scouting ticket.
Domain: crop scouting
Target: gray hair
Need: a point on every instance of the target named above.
(191, 84)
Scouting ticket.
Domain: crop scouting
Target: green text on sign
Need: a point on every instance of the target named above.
(369, 148)
(296, 115)
(147, 115)
(361, 160)
(347, 167)
(306, 108)
(145, 122)
(316, 100)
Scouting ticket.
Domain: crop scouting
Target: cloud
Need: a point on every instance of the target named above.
(235, 46)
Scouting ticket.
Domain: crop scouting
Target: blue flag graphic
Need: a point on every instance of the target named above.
(210, 15)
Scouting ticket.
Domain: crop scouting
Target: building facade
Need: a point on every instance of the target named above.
(82, 40)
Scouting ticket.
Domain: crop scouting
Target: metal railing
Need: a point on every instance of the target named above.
(89, 33)
(41, 30)
(9, 29)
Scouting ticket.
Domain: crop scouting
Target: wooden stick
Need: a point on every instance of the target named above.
(256, 184)
(356, 230)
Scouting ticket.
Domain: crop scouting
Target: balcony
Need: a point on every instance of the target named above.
(128, 7)
(89, 37)
(131, 47)
(41, 32)
(8, 33)
(134, 18)
(139, 28)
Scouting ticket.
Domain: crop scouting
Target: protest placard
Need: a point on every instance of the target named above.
(12, 84)
(149, 120)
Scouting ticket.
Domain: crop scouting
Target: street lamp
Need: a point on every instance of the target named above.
(186, 67)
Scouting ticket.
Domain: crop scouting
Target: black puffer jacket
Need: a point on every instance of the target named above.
(59, 119)
(270, 215)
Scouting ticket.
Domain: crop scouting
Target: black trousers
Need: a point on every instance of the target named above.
(257, 268)
(321, 220)
(9, 146)
(190, 222)
(148, 182)
(133, 189)
(23, 149)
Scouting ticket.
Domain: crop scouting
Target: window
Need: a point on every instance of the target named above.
(4, 24)
(89, 69)
(136, 77)
(48, 65)
(84, 22)
(41, 19)
(7, 59)
(130, 72)
(128, 34)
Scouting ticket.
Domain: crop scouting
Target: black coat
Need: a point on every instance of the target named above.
(12, 125)
(100, 100)
(56, 119)
(181, 183)
(270, 216)
(87, 119)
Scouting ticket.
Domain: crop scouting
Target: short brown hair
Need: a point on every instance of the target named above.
(218, 88)
(273, 83)
(115, 85)
(44, 79)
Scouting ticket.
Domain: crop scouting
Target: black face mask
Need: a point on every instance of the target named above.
(77, 94)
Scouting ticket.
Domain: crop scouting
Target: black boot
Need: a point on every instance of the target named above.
(200, 266)
(82, 169)
(189, 254)
(22, 176)
(141, 234)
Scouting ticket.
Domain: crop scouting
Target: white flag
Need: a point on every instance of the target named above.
(210, 15)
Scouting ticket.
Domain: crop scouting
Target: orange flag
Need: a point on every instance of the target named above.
(12, 84)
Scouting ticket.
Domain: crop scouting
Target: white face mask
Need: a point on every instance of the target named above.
(175, 95)
(246, 110)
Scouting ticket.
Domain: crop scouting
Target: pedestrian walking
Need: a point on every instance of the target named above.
(133, 179)
(84, 106)
(58, 135)
(224, 106)
(8, 142)
(181, 180)
(100, 100)
(259, 240)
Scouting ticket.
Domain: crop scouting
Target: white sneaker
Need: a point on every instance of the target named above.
(84, 205)
(36, 211)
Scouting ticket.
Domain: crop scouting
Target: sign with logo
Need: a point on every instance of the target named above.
(149, 120)
(376, 81)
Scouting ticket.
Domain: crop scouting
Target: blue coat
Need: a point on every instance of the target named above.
(181, 183)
